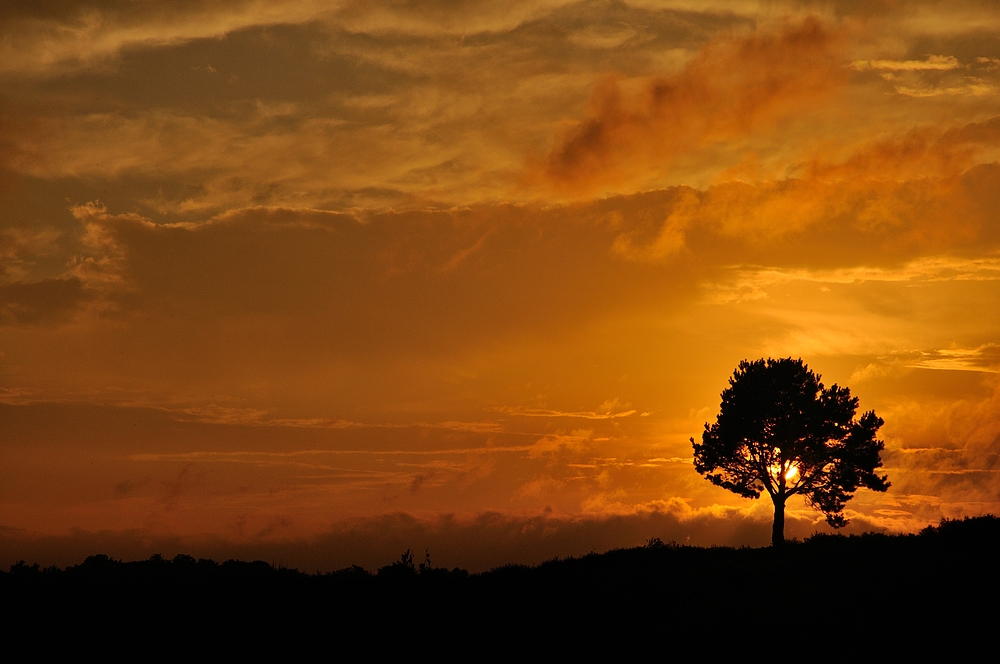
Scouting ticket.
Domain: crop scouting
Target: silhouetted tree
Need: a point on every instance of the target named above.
(779, 430)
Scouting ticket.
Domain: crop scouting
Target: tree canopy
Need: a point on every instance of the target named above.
(781, 431)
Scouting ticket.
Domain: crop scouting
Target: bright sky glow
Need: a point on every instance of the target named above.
(346, 279)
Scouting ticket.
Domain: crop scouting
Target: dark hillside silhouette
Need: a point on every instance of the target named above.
(885, 593)
(779, 430)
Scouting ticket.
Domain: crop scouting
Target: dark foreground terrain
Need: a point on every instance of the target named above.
(830, 596)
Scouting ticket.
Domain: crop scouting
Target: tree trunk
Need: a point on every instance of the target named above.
(778, 528)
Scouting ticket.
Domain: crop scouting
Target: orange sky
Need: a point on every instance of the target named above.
(328, 280)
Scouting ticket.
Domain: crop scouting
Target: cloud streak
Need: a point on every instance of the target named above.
(932, 63)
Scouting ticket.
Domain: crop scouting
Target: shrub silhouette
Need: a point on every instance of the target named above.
(894, 590)
(403, 567)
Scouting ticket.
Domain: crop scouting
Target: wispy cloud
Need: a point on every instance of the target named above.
(985, 358)
(53, 40)
(216, 414)
(935, 76)
(582, 414)
(252, 456)
(931, 63)
(752, 283)
(969, 89)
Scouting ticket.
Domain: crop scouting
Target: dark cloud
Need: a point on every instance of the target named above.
(43, 302)
(885, 8)
(488, 540)
(126, 487)
(66, 10)
(919, 154)
(730, 88)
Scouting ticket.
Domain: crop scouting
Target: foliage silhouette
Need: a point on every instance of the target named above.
(402, 568)
(779, 430)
